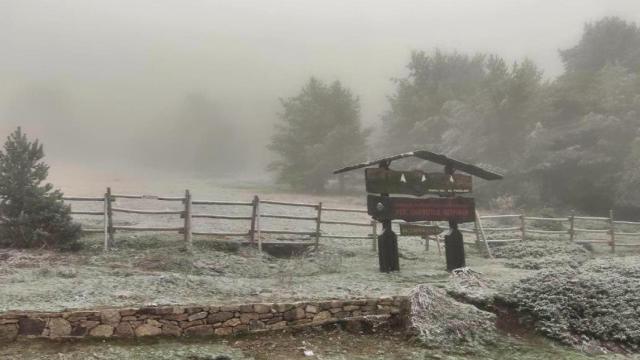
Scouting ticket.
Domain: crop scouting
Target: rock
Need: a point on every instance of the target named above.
(8, 332)
(197, 316)
(351, 307)
(282, 307)
(278, 325)
(177, 317)
(230, 308)
(219, 317)
(153, 322)
(102, 331)
(110, 317)
(128, 312)
(29, 326)
(307, 353)
(89, 324)
(123, 330)
(257, 325)
(171, 330)
(59, 327)
(200, 330)
(246, 317)
(322, 315)
(147, 330)
(187, 324)
(240, 329)
(311, 309)
(246, 308)
(295, 314)
(223, 331)
(232, 322)
(262, 308)
(79, 331)
(300, 322)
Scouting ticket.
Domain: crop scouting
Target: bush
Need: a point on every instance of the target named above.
(32, 213)
(439, 321)
(537, 255)
(598, 300)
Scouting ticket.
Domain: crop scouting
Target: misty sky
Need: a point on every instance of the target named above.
(116, 68)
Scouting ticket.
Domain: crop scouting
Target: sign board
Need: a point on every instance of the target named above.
(418, 183)
(419, 230)
(429, 209)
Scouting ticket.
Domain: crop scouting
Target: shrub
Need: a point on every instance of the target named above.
(541, 254)
(598, 300)
(32, 212)
(439, 321)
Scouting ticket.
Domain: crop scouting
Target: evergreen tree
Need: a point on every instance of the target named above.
(474, 107)
(32, 212)
(319, 131)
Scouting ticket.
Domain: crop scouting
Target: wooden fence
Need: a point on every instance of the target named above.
(520, 228)
(253, 234)
(607, 227)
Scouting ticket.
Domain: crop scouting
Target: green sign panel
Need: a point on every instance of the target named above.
(417, 183)
(419, 230)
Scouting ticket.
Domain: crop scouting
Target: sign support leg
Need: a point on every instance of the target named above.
(388, 249)
(454, 247)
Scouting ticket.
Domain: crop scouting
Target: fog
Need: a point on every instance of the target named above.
(108, 84)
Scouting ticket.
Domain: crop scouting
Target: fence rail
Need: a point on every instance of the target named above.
(483, 233)
(252, 235)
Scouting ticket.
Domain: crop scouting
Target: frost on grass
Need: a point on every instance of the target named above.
(598, 300)
(542, 254)
(441, 322)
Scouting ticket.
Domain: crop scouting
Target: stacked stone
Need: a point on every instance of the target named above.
(191, 320)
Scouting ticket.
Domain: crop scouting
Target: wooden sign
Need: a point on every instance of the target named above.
(430, 209)
(419, 230)
(418, 183)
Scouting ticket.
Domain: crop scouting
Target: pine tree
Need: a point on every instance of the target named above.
(320, 131)
(32, 213)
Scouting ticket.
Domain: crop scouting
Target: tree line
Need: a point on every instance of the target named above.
(570, 142)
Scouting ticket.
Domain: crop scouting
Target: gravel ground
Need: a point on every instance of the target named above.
(326, 345)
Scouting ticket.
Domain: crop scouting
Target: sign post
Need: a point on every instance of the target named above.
(388, 257)
(448, 206)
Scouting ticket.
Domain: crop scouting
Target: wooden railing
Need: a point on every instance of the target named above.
(252, 235)
(607, 226)
(486, 228)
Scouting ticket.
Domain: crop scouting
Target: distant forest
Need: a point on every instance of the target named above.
(572, 142)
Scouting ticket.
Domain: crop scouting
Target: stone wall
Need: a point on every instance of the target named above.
(193, 320)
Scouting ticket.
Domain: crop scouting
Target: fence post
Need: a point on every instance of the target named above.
(187, 220)
(109, 212)
(612, 232)
(318, 222)
(258, 226)
(106, 221)
(571, 226)
(254, 213)
(476, 229)
(374, 234)
(522, 226)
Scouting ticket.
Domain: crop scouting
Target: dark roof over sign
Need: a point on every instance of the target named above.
(433, 157)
